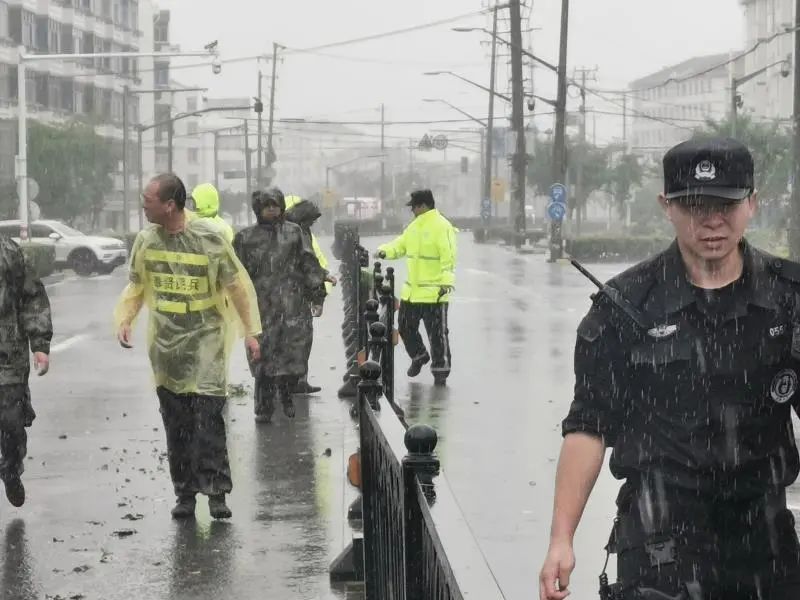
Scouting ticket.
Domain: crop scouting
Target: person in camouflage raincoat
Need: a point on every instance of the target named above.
(305, 213)
(287, 277)
(25, 327)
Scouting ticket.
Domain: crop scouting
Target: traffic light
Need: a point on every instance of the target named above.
(258, 106)
(464, 164)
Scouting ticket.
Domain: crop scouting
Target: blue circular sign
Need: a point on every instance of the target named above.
(556, 211)
(558, 193)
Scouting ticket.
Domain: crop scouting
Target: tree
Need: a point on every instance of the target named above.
(622, 177)
(585, 163)
(770, 143)
(73, 167)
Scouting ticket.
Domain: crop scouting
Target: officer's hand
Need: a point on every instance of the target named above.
(557, 568)
(332, 280)
(253, 347)
(380, 254)
(41, 363)
(124, 336)
(316, 310)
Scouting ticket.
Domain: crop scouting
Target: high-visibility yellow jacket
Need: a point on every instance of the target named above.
(429, 244)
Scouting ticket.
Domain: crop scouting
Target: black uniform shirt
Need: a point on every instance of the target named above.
(702, 399)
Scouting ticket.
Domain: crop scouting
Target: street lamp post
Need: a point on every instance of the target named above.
(126, 93)
(22, 108)
(142, 128)
(736, 99)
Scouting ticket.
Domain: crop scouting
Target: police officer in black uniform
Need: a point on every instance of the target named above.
(687, 367)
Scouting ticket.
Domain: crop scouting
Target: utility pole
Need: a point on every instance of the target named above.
(383, 162)
(625, 121)
(794, 232)
(140, 177)
(486, 200)
(126, 217)
(170, 136)
(260, 143)
(559, 140)
(216, 160)
(582, 153)
(520, 158)
(270, 151)
(247, 173)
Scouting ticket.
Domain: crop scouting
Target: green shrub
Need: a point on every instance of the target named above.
(615, 248)
(41, 258)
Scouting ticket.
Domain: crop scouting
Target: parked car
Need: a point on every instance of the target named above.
(84, 254)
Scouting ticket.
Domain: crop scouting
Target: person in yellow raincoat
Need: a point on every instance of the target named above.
(305, 213)
(199, 298)
(205, 199)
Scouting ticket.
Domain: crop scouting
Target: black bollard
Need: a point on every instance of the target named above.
(369, 389)
(420, 464)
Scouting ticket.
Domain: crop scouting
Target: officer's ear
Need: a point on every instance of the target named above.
(665, 205)
(752, 203)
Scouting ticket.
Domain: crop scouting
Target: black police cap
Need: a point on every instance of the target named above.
(714, 168)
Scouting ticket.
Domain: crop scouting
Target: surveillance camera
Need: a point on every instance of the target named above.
(786, 70)
(531, 104)
(216, 66)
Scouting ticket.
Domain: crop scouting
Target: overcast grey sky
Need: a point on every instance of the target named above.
(624, 38)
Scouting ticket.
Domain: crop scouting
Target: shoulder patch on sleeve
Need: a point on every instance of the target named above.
(591, 327)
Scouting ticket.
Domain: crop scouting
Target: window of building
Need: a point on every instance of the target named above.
(162, 160)
(28, 29)
(67, 95)
(4, 28)
(161, 74)
(191, 129)
(191, 104)
(194, 156)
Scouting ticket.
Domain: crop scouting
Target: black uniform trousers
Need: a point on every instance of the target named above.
(16, 413)
(196, 443)
(688, 547)
(435, 318)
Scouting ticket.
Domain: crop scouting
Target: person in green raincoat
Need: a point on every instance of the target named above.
(199, 297)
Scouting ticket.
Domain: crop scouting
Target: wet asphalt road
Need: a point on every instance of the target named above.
(97, 524)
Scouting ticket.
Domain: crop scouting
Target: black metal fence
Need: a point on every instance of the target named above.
(416, 544)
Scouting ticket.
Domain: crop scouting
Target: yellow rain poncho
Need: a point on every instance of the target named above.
(200, 299)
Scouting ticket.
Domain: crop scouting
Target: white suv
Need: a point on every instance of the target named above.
(84, 254)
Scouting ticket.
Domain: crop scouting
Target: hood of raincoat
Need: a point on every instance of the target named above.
(206, 200)
(262, 199)
(304, 213)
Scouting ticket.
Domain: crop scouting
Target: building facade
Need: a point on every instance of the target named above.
(667, 106)
(770, 94)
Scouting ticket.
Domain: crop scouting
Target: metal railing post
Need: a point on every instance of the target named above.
(419, 465)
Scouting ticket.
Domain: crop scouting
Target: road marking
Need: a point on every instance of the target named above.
(68, 343)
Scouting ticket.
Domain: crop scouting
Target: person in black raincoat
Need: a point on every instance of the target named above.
(25, 327)
(287, 277)
(305, 213)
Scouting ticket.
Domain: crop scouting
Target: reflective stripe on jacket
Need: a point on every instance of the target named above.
(429, 245)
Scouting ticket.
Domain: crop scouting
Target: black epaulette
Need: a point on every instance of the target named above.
(784, 268)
